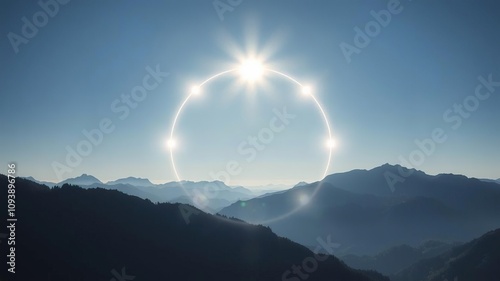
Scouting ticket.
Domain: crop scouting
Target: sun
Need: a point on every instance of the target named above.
(171, 143)
(306, 90)
(331, 143)
(251, 70)
(195, 90)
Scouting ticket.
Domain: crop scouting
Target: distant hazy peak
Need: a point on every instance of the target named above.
(132, 181)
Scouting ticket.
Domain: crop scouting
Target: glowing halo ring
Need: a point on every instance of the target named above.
(171, 139)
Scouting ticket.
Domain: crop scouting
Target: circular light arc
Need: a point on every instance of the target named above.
(263, 70)
(322, 111)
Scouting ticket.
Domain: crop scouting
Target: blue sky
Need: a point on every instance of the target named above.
(395, 90)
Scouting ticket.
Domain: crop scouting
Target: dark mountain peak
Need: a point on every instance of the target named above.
(387, 165)
(380, 170)
(451, 176)
(396, 169)
(395, 179)
(84, 179)
(302, 183)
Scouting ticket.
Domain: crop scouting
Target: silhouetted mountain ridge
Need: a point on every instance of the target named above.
(84, 179)
(366, 217)
(70, 233)
(476, 260)
(210, 196)
(397, 258)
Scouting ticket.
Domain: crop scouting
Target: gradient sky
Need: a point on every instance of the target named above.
(395, 90)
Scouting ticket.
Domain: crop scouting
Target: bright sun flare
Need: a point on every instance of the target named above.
(251, 70)
(306, 90)
(195, 90)
(171, 143)
(331, 143)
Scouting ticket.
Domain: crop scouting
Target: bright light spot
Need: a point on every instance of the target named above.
(331, 143)
(306, 90)
(303, 199)
(171, 143)
(195, 90)
(251, 70)
(200, 200)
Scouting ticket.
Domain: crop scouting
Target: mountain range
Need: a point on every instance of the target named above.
(414, 228)
(71, 233)
(210, 196)
(365, 216)
(221, 195)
